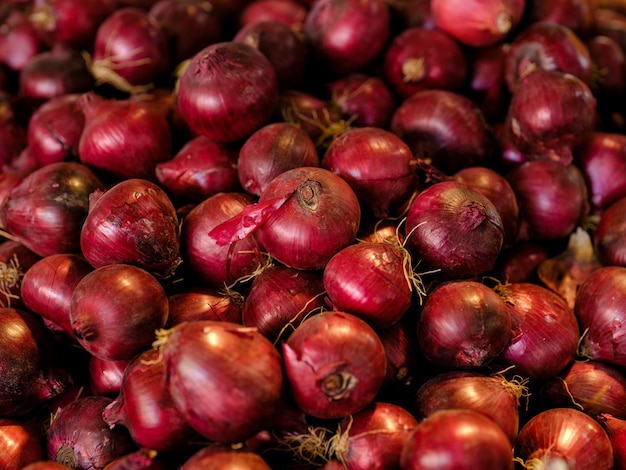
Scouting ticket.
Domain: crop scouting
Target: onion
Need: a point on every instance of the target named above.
(574, 14)
(454, 229)
(610, 22)
(205, 303)
(19, 41)
(609, 235)
(47, 209)
(376, 164)
(419, 59)
(141, 459)
(487, 83)
(550, 112)
(552, 198)
(13, 136)
(477, 23)
(335, 365)
(609, 65)
(457, 438)
(105, 377)
(616, 430)
(444, 128)
(347, 35)
(45, 465)
(209, 91)
(290, 12)
(78, 437)
(271, 150)
(21, 443)
(564, 438)
(132, 222)
(47, 287)
(544, 332)
(115, 311)
(209, 459)
(122, 138)
(280, 298)
(237, 366)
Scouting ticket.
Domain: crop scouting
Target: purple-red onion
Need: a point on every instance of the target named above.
(609, 242)
(205, 303)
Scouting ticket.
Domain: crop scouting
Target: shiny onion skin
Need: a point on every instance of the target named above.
(132, 222)
(486, 81)
(236, 366)
(115, 310)
(609, 242)
(463, 324)
(600, 309)
(369, 280)
(454, 229)
(225, 459)
(209, 95)
(47, 209)
(457, 439)
(21, 443)
(290, 12)
(335, 365)
(616, 429)
(376, 164)
(19, 42)
(204, 303)
(560, 437)
(105, 377)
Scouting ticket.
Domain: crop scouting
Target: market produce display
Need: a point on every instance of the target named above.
(300, 234)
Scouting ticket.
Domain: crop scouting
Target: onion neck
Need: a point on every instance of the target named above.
(338, 385)
(413, 69)
(308, 195)
(66, 456)
(472, 216)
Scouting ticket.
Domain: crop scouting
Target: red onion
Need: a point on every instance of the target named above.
(47, 287)
(609, 235)
(486, 81)
(205, 303)
(372, 281)
(132, 222)
(335, 365)
(564, 438)
(520, 262)
(419, 59)
(237, 366)
(610, 22)
(550, 112)
(141, 459)
(78, 437)
(19, 41)
(574, 14)
(130, 50)
(209, 459)
(601, 314)
(105, 377)
(29, 363)
(477, 23)
(144, 406)
(47, 209)
(115, 311)
(13, 136)
(123, 138)
(45, 465)
(347, 35)
(211, 263)
(54, 130)
(552, 198)
(544, 332)
(457, 438)
(376, 164)
(209, 91)
(608, 61)
(290, 12)
(15, 260)
(280, 298)
(201, 168)
(616, 430)
(271, 150)
(444, 128)
(21, 443)
(454, 229)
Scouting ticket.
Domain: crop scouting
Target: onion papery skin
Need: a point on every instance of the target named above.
(564, 436)
(30, 372)
(78, 436)
(376, 164)
(616, 430)
(347, 35)
(236, 366)
(411, 66)
(200, 169)
(212, 264)
(463, 324)
(492, 396)
(272, 150)
(209, 459)
(454, 229)
(47, 209)
(335, 365)
(116, 309)
(15, 261)
(123, 138)
(444, 128)
(105, 377)
(204, 303)
(544, 334)
(549, 113)
(552, 197)
(132, 222)
(280, 298)
(457, 438)
(376, 436)
(48, 285)
(600, 309)
(609, 241)
(144, 406)
(321, 217)
(209, 94)
(369, 280)
(21, 443)
(590, 386)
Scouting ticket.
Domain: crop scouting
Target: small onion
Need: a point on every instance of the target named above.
(19, 42)
(575, 14)
(290, 12)
(21, 443)
(204, 303)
